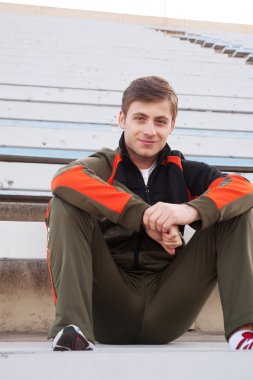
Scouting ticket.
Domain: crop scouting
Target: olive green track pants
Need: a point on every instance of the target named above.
(114, 306)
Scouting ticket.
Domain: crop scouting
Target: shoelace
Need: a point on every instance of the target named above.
(246, 343)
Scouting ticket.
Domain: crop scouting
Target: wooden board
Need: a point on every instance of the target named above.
(113, 98)
(25, 177)
(183, 84)
(74, 113)
(23, 240)
(18, 176)
(191, 142)
(94, 65)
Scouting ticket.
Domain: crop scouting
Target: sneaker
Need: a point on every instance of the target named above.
(241, 340)
(71, 338)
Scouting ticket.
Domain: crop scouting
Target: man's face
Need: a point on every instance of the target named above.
(147, 126)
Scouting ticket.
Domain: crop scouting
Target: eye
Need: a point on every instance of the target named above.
(139, 118)
(161, 122)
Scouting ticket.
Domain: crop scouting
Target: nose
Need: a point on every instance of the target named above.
(149, 129)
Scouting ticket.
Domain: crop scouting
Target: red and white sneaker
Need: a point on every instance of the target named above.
(71, 338)
(241, 340)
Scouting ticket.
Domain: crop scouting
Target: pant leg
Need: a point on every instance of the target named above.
(175, 297)
(235, 271)
(92, 291)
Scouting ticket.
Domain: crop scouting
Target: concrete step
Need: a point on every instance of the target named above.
(194, 357)
(27, 304)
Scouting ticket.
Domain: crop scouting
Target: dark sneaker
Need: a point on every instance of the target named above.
(71, 338)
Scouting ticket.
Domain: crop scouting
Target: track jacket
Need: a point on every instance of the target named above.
(110, 187)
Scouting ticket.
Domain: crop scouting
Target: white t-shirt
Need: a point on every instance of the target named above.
(146, 172)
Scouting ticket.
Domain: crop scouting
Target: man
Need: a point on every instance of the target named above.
(120, 271)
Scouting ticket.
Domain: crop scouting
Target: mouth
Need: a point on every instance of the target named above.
(147, 142)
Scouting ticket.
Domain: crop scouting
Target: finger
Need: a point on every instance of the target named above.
(170, 238)
(172, 244)
(160, 222)
(169, 234)
(146, 217)
(174, 241)
(171, 251)
(148, 214)
(167, 224)
(154, 217)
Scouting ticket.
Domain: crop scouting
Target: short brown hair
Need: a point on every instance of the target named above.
(149, 89)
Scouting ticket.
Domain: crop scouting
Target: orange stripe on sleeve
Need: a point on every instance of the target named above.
(216, 182)
(235, 188)
(96, 190)
(116, 161)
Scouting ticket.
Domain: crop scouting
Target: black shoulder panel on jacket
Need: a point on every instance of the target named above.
(199, 176)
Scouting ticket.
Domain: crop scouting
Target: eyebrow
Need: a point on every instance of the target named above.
(145, 115)
(140, 114)
(162, 117)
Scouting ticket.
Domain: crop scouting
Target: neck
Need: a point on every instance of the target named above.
(140, 161)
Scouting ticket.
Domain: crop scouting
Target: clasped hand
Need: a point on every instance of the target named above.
(161, 223)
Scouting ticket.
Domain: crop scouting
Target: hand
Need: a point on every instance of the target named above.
(162, 216)
(169, 241)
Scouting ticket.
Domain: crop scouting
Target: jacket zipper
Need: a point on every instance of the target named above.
(136, 251)
(147, 193)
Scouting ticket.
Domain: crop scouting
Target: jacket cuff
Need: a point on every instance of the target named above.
(132, 216)
(208, 211)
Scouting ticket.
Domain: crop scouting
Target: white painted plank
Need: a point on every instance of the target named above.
(186, 87)
(86, 56)
(18, 176)
(109, 115)
(219, 71)
(112, 98)
(223, 146)
(194, 143)
(85, 114)
(22, 240)
(215, 121)
(91, 53)
(33, 177)
(68, 139)
(183, 84)
(200, 145)
(56, 112)
(60, 95)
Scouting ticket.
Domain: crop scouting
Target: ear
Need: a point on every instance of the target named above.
(121, 120)
(173, 121)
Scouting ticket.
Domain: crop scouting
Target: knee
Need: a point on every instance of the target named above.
(245, 219)
(66, 214)
(59, 211)
(248, 215)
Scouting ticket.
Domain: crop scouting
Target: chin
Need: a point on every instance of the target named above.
(148, 154)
